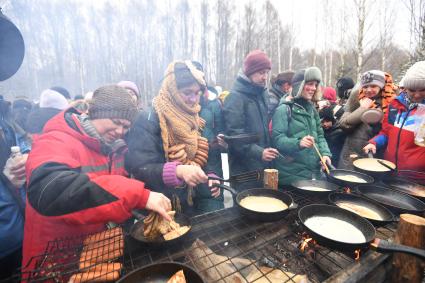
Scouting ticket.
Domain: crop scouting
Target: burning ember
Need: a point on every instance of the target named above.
(357, 254)
(347, 190)
(307, 246)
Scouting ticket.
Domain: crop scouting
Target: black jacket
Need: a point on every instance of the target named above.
(245, 112)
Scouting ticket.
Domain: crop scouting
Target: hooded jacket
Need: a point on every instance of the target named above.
(74, 188)
(399, 120)
(288, 130)
(245, 112)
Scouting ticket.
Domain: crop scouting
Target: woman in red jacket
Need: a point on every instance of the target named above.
(76, 177)
(398, 127)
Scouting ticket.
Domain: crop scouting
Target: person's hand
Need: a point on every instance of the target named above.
(307, 142)
(370, 147)
(215, 191)
(221, 142)
(327, 160)
(269, 154)
(289, 98)
(366, 102)
(159, 203)
(192, 175)
(18, 170)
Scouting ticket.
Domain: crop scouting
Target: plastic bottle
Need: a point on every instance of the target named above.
(14, 158)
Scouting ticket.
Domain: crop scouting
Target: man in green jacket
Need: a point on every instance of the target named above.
(297, 127)
(245, 112)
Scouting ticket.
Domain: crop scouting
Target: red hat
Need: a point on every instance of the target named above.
(329, 93)
(256, 61)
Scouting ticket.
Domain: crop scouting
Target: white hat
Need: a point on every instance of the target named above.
(53, 99)
(414, 78)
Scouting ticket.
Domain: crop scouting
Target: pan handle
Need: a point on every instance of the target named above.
(385, 246)
(370, 154)
(227, 188)
(217, 178)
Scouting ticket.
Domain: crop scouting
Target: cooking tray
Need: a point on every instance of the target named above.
(363, 225)
(396, 201)
(136, 231)
(160, 273)
(256, 215)
(384, 213)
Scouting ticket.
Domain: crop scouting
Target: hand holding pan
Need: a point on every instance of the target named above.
(325, 234)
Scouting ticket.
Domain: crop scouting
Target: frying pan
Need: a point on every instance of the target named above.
(386, 215)
(363, 225)
(394, 200)
(374, 167)
(301, 185)
(405, 186)
(12, 48)
(256, 215)
(334, 173)
(136, 231)
(160, 273)
(241, 139)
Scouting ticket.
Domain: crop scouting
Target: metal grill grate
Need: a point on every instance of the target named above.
(236, 246)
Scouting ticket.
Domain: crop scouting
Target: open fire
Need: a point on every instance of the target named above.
(309, 246)
(347, 190)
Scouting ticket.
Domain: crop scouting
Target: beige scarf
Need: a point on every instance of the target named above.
(179, 122)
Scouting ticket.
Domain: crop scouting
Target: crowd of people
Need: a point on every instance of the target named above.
(91, 160)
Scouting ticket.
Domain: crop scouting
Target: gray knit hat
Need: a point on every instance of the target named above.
(111, 102)
(373, 77)
(303, 76)
(414, 78)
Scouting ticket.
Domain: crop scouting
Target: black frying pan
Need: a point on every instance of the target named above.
(302, 187)
(363, 225)
(160, 273)
(334, 173)
(396, 201)
(339, 199)
(136, 231)
(256, 215)
(407, 187)
(242, 139)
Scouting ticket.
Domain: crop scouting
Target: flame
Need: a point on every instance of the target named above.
(347, 190)
(304, 244)
(357, 254)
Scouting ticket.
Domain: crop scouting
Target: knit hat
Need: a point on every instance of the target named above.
(373, 77)
(53, 99)
(327, 114)
(256, 61)
(329, 93)
(129, 85)
(303, 76)
(183, 73)
(62, 91)
(414, 78)
(281, 78)
(112, 101)
(342, 85)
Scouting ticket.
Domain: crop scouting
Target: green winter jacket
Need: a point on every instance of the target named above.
(212, 114)
(289, 127)
(245, 112)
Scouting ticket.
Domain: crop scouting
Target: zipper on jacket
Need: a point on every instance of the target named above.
(110, 162)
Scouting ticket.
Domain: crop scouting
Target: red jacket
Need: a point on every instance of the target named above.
(73, 187)
(410, 155)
